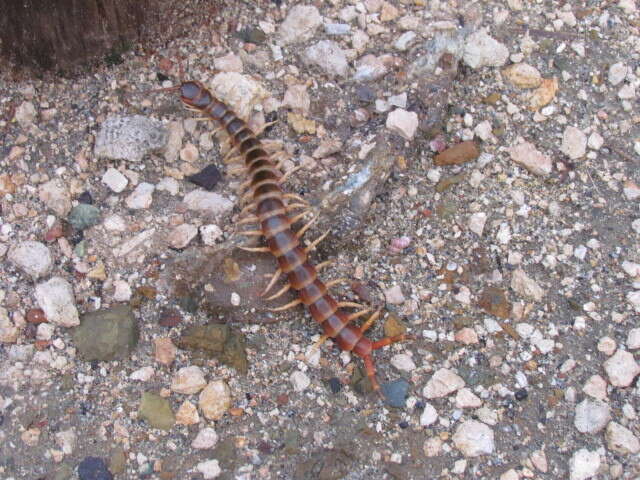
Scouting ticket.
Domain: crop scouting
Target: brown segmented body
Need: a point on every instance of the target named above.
(270, 209)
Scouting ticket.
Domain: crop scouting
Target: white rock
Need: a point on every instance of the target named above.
(633, 339)
(55, 195)
(8, 331)
(627, 92)
(631, 190)
(465, 398)
(229, 63)
(328, 56)
(129, 138)
(206, 438)
(241, 92)
(584, 464)
(300, 381)
(621, 369)
(25, 114)
(403, 362)
(66, 440)
(45, 331)
(526, 286)
(215, 400)
(591, 416)
(209, 202)
(370, 68)
(209, 469)
(141, 197)
(181, 235)
(404, 41)
(510, 474)
(595, 141)
(629, 6)
(473, 439)
(631, 268)
(429, 415)
(574, 142)
(115, 223)
(617, 73)
(122, 291)
(607, 345)
(143, 374)
(634, 299)
(442, 383)
(115, 180)
(56, 299)
(394, 295)
(596, 387)
(297, 98)
(529, 157)
(477, 222)
(33, 258)
(482, 50)
(403, 123)
(300, 25)
(168, 184)
(188, 380)
(504, 233)
(621, 439)
(210, 234)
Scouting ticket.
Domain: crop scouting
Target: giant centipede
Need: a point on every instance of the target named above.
(269, 207)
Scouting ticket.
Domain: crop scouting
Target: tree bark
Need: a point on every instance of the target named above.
(61, 35)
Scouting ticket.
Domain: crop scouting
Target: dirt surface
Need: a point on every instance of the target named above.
(504, 239)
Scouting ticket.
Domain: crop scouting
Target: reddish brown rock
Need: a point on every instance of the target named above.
(35, 315)
(494, 301)
(461, 153)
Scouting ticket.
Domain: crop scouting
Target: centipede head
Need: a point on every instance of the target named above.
(194, 95)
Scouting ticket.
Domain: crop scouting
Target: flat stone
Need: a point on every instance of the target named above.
(482, 50)
(84, 216)
(129, 138)
(156, 411)
(141, 197)
(370, 67)
(55, 297)
(209, 202)
(633, 339)
(477, 222)
(209, 469)
(465, 398)
(523, 75)
(182, 235)
(165, 350)
(462, 152)
(229, 63)
(529, 157)
(403, 123)
(297, 99)
(596, 387)
(329, 57)
(115, 180)
(107, 334)
(574, 143)
(55, 195)
(395, 393)
(474, 439)
(187, 414)
(300, 25)
(591, 416)
(526, 286)
(93, 468)
(25, 114)
(215, 400)
(617, 73)
(403, 362)
(300, 381)
(429, 415)
(621, 440)
(33, 258)
(621, 369)
(584, 464)
(442, 383)
(188, 380)
(240, 92)
(205, 439)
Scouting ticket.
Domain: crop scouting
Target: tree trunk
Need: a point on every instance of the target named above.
(61, 35)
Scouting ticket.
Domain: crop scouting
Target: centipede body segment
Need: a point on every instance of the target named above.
(270, 208)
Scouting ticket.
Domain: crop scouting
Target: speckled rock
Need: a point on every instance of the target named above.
(33, 258)
(129, 138)
(215, 400)
(482, 50)
(621, 369)
(473, 439)
(300, 25)
(329, 57)
(84, 216)
(156, 410)
(591, 416)
(55, 195)
(56, 299)
(107, 334)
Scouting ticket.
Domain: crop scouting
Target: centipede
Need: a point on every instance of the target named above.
(273, 211)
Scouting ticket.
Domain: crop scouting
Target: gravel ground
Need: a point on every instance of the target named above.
(504, 239)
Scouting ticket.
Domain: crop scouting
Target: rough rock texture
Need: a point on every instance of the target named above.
(129, 138)
(107, 334)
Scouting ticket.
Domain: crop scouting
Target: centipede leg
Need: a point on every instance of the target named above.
(324, 264)
(355, 315)
(280, 292)
(308, 225)
(255, 249)
(264, 127)
(247, 208)
(389, 340)
(272, 282)
(288, 173)
(251, 233)
(370, 321)
(293, 206)
(289, 305)
(317, 345)
(333, 283)
(295, 197)
(248, 220)
(315, 243)
(350, 304)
